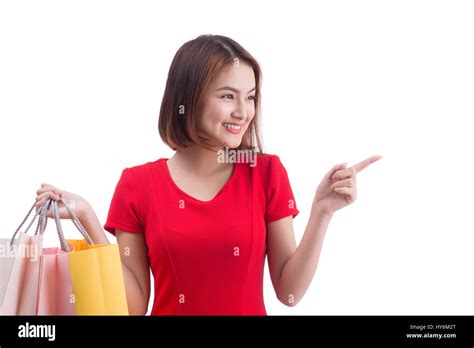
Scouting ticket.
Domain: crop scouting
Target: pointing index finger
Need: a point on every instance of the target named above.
(364, 164)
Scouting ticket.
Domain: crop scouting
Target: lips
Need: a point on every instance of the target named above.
(234, 124)
(233, 128)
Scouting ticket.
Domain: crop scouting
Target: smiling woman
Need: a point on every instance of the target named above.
(204, 216)
(202, 90)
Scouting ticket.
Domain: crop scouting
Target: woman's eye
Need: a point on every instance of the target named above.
(252, 97)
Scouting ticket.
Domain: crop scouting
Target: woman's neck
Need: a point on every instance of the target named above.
(199, 160)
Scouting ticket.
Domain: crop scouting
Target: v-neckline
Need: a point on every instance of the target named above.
(222, 189)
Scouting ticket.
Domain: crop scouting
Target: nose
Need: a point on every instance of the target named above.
(240, 112)
(238, 115)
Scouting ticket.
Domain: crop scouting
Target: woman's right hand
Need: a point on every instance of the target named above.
(76, 203)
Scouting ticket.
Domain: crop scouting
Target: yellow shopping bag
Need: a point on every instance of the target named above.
(97, 279)
(96, 272)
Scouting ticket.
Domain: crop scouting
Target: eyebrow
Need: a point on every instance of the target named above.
(233, 89)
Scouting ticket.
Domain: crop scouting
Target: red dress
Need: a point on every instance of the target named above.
(207, 257)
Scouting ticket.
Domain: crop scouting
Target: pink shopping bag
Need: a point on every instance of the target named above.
(55, 294)
(21, 263)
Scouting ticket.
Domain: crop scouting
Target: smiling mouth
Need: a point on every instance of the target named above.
(232, 128)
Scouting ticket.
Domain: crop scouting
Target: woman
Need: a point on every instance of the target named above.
(204, 222)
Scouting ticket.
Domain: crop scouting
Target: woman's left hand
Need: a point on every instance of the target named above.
(338, 188)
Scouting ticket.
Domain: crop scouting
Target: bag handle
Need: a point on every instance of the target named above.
(76, 222)
(42, 218)
(41, 221)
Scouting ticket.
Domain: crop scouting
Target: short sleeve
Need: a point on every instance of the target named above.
(280, 200)
(123, 212)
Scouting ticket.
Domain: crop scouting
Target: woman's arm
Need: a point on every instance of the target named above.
(292, 268)
(132, 246)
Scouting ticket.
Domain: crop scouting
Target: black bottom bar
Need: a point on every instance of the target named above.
(291, 331)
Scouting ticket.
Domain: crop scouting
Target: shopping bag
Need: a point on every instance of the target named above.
(6, 263)
(20, 268)
(80, 277)
(55, 294)
(97, 279)
(96, 273)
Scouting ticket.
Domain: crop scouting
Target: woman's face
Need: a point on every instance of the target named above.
(229, 106)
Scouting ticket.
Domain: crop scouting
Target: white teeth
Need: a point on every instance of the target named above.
(231, 126)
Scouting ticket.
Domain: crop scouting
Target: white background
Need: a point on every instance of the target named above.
(81, 84)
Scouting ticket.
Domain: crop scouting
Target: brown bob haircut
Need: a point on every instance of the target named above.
(194, 67)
